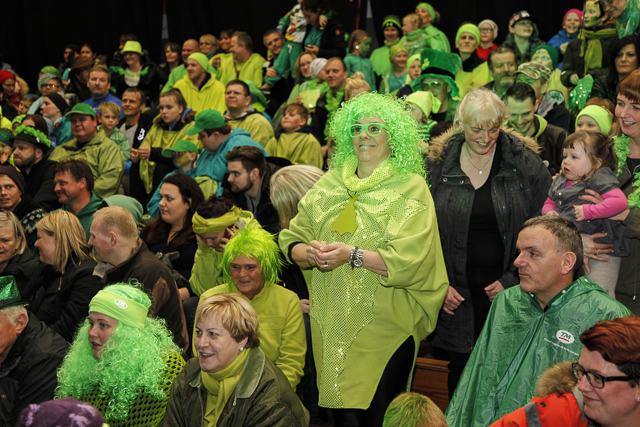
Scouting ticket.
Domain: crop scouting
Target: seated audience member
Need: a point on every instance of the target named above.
(594, 118)
(209, 45)
(188, 47)
(398, 75)
(241, 114)
(474, 71)
(355, 85)
(63, 289)
(623, 62)
(414, 69)
(245, 386)
(523, 36)
(9, 98)
(109, 115)
(31, 150)
(215, 222)
(217, 139)
(30, 356)
(295, 142)
(520, 98)
(16, 259)
(170, 126)
(79, 77)
(101, 154)
(60, 413)
(54, 107)
(138, 71)
(14, 199)
(122, 361)
(551, 108)
(330, 100)
(73, 184)
(488, 34)
(172, 56)
(421, 105)
(304, 81)
(548, 56)
(429, 18)
(47, 83)
(99, 84)
(413, 410)
(251, 264)
(247, 183)
(502, 66)
(123, 256)
(244, 64)
(601, 388)
(438, 72)
(524, 323)
(391, 28)
(171, 234)
(200, 87)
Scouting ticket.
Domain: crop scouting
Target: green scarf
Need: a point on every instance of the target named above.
(220, 386)
(628, 21)
(392, 42)
(333, 103)
(622, 150)
(591, 47)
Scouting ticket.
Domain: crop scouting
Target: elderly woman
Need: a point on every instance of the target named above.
(231, 383)
(122, 361)
(368, 230)
(65, 286)
(485, 183)
(607, 377)
(251, 264)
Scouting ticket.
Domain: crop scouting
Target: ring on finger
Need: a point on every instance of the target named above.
(326, 264)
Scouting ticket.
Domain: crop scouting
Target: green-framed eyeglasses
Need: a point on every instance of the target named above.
(372, 129)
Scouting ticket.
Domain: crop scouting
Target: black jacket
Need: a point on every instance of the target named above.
(29, 373)
(573, 62)
(265, 213)
(152, 78)
(332, 42)
(138, 191)
(605, 88)
(550, 139)
(21, 267)
(62, 300)
(40, 183)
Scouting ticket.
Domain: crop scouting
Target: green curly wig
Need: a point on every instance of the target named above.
(404, 137)
(33, 132)
(131, 362)
(253, 243)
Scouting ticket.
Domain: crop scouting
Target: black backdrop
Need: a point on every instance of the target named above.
(34, 32)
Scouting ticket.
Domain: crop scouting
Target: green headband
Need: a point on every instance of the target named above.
(121, 308)
(429, 8)
(600, 115)
(215, 225)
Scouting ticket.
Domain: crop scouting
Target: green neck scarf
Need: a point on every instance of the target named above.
(220, 386)
(333, 103)
(628, 21)
(622, 150)
(392, 42)
(591, 47)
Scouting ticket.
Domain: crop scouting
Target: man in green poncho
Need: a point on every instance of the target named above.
(531, 326)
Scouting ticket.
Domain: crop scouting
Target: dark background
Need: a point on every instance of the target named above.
(33, 33)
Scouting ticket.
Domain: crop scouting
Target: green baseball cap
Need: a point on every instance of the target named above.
(81, 108)
(180, 146)
(207, 119)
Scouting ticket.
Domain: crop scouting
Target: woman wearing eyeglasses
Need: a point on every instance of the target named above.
(486, 182)
(601, 389)
(367, 231)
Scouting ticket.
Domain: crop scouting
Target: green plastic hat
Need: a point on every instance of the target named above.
(438, 65)
(9, 293)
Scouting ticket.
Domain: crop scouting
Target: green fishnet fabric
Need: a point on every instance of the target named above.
(147, 411)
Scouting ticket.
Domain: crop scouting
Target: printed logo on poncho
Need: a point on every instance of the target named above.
(565, 336)
(121, 303)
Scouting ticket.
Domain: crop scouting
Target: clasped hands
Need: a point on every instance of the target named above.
(327, 256)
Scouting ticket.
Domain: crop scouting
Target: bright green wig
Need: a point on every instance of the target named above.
(253, 243)
(132, 360)
(404, 138)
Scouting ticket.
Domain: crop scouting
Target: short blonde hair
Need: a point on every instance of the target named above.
(479, 107)
(353, 83)
(109, 106)
(71, 241)
(288, 186)
(9, 219)
(118, 219)
(235, 313)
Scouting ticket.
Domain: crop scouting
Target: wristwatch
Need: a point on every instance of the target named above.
(357, 262)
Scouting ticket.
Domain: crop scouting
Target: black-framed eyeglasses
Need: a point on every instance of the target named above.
(372, 129)
(594, 379)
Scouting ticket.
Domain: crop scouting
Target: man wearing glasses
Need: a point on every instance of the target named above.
(532, 326)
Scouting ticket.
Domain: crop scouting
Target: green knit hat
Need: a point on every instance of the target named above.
(552, 51)
(468, 28)
(395, 49)
(600, 115)
(392, 21)
(429, 8)
(201, 59)
(438, 65)
(9, 293)
(411, 59)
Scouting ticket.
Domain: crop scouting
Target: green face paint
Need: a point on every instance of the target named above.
(365, 47)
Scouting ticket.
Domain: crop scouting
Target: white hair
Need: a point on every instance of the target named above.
(13, 312)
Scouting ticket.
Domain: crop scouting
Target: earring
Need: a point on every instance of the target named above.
(241, 349)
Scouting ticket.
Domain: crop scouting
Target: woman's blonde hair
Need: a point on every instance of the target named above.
(235, 313)
(71, 241)
(9, 219)
(289, 185)
(353, 83)
(479, 107)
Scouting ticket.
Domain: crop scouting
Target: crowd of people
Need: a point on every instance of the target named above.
(225, 239)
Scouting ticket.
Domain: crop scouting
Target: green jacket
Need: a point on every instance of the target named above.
(254, 123)
(209, 96)
(436, 39)
(86, 214)
(250, 70)
(519, 342)
(262, 398)
(298, 147)
(104, 157)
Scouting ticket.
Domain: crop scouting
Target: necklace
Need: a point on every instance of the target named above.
(464, 148)
(622, 150)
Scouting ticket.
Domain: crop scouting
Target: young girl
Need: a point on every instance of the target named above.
(590, 164)
(399, 76)
(358, 57)
(594, 118)
(421, 104)
(170, 126)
